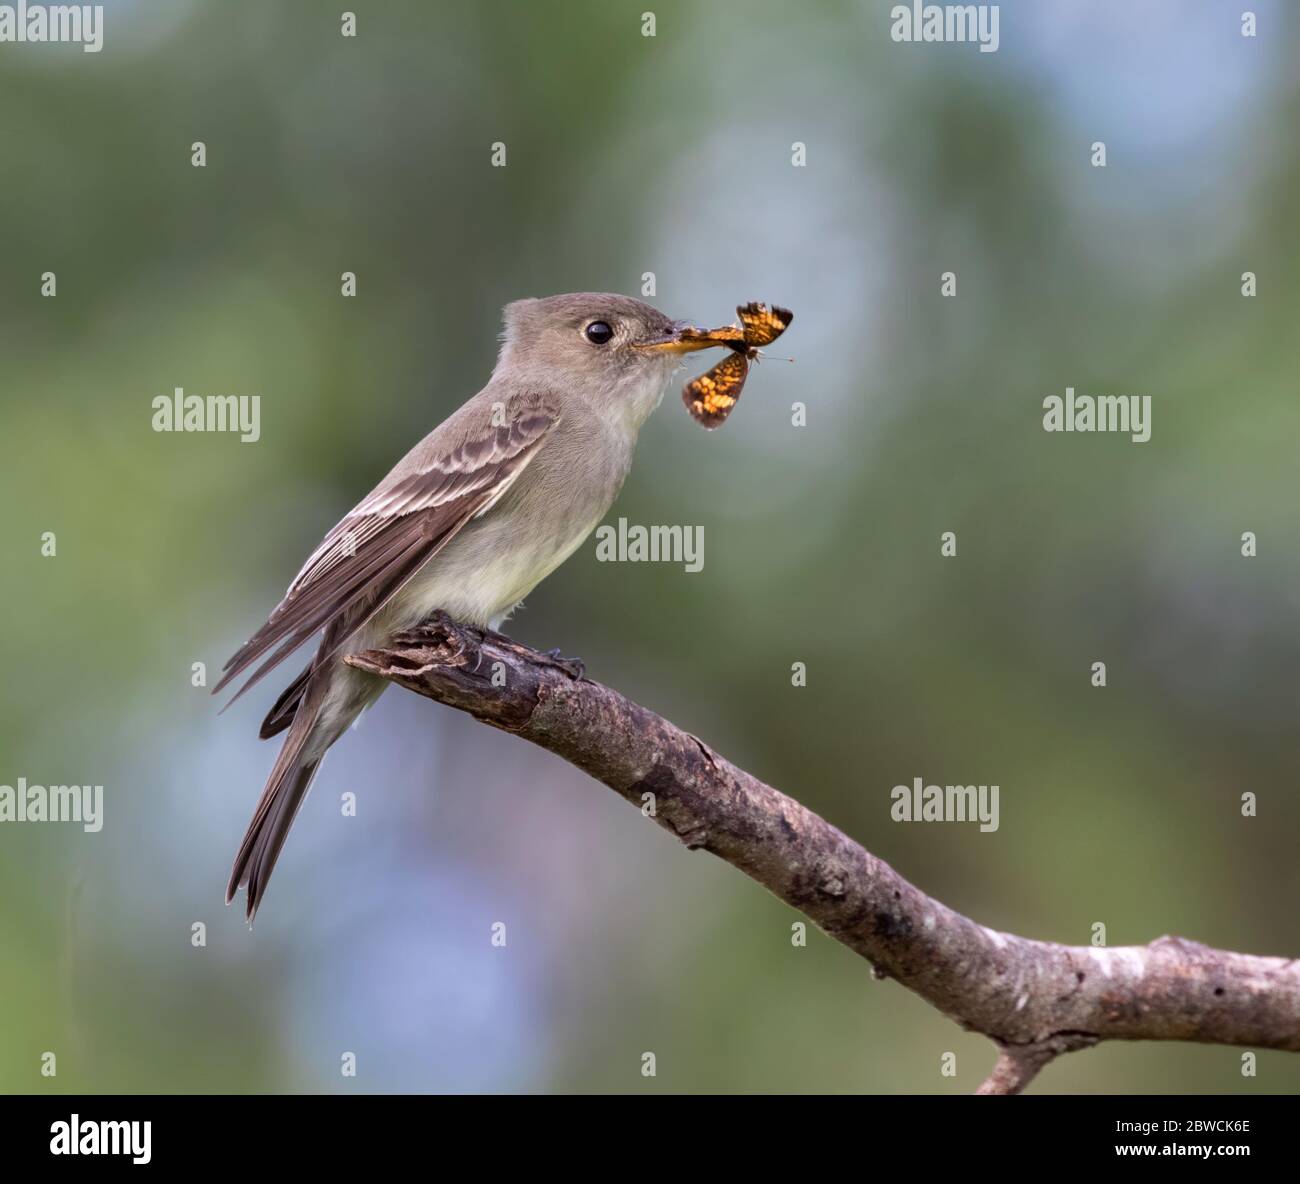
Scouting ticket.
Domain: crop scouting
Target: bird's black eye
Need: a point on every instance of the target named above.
(598, 333)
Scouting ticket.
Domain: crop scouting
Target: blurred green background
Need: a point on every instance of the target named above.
(670, 155)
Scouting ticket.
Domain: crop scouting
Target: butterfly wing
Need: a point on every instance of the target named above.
(711, 397)
(729, 335)
(763, 323)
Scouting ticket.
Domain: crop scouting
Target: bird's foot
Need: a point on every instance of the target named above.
(575, 668)
(464, 644)
(441, 631)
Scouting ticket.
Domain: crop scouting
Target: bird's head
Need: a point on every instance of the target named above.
(616, 351)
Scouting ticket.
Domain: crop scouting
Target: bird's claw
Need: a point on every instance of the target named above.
(441, 629)
(575, 668)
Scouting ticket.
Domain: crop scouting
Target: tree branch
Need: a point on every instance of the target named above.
(1014, 1070)
(1034, 999)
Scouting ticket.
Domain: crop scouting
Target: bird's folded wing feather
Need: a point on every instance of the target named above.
(367, 558)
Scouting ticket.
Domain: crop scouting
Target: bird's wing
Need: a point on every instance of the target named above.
(367, 558)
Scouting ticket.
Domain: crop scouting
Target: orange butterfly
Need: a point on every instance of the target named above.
(711, 397)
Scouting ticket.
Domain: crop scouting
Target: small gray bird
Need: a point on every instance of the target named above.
(486, 506)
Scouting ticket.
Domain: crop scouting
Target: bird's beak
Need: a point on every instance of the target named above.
(682, 338)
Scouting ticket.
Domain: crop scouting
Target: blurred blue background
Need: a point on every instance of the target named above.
(627, 155)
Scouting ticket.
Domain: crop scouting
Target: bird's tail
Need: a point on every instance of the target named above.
(286, 787)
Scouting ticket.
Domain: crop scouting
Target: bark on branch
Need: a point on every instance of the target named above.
(1034, 999)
